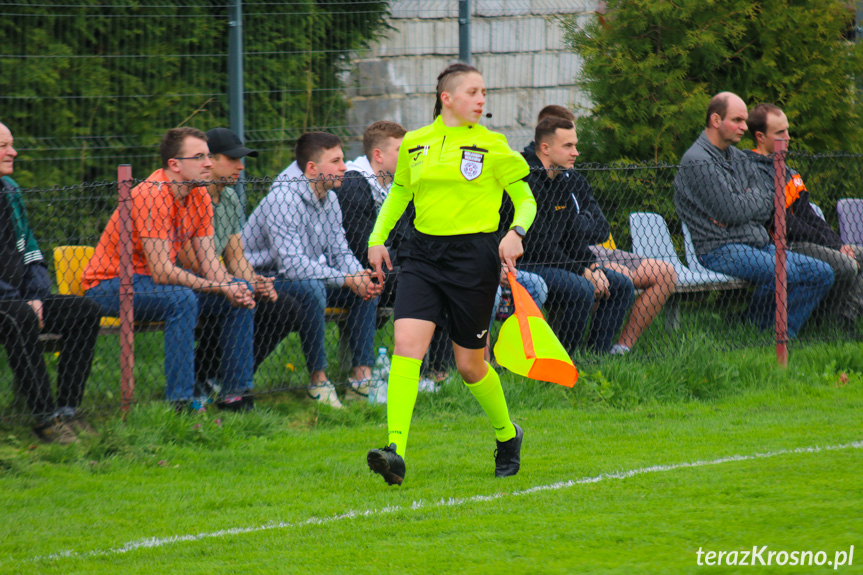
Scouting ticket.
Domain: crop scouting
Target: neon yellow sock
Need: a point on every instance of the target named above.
(489, 393)
(402, 390)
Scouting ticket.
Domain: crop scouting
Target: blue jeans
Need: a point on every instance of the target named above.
(314, 297)
(533, 283)
(570, 301)
(179, 308)
(808, 281)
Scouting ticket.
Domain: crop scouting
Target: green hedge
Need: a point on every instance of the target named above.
(96, 84)
(651, 67)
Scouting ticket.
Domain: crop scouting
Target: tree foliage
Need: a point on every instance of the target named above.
(651, 66)
(91, 84)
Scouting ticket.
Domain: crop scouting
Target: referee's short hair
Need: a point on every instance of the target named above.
(553, 110)
(546, 128)
(446, 79)
(311, 146)
(378, 133)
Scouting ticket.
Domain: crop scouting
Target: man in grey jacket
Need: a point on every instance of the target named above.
(727, 206)
(296, 234)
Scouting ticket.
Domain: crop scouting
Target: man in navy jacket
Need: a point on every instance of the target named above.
(364, 188)
(568, 220)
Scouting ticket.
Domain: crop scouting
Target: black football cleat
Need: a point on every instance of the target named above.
(388, 463)
(507, 456)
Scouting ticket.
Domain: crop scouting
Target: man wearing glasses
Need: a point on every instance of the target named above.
(168, 209)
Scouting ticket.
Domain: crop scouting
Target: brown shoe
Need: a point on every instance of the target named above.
(55, 431)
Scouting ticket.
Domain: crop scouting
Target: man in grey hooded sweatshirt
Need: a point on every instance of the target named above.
(295, 233)
(727, 206)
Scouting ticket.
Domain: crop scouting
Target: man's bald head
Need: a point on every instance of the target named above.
(719, 105)
(726, 119)
(7, 151)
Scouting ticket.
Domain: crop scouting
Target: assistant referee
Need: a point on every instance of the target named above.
(455, 171)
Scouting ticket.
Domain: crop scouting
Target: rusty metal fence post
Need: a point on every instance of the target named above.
(779, 241)
(127, 291)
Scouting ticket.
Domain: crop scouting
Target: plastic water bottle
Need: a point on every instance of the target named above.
(380, 376)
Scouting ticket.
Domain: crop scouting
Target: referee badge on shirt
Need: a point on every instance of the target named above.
(471, 163)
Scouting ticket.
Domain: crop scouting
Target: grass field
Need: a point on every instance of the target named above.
(633, 471)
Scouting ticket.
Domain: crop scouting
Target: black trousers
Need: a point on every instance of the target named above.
(76, 320)
(274, 320)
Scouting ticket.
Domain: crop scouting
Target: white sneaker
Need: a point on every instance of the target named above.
(325, 393)
(360, 386)
(428, 385)
(618, 349)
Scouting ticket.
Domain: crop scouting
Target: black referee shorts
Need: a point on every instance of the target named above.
(451, 281)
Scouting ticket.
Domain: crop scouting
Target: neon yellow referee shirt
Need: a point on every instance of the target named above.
(456, 177)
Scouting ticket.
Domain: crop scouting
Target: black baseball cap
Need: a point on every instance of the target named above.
(224, 141)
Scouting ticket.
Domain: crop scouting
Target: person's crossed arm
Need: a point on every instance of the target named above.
(239, 266)
(214, 277)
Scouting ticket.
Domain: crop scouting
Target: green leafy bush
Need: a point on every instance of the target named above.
(651, 67)
(96, 84)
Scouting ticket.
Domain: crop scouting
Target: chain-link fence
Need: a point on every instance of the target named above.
(696, 269)
(97, 83)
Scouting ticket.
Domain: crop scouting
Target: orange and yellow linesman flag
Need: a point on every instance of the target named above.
(526, 345)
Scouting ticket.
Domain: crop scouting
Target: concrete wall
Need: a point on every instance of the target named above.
(517, 45)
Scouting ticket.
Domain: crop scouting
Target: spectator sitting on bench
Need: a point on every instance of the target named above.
(806, 232)
(364, 188)
(275, 317)
(568, 220)
(656, 279)
(726, 204)
(28, 308)
(296, 233)
(170, 208)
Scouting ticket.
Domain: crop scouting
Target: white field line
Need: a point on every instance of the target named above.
(153, 542)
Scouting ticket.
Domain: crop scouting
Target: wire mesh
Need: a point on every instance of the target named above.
(668, 292)
(98, 83)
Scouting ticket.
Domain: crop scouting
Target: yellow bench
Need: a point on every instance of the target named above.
(69, 265)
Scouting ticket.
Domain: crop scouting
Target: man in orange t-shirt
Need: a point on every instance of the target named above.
(168, 209)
